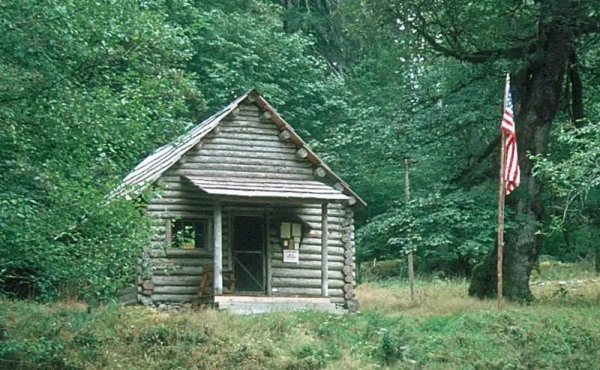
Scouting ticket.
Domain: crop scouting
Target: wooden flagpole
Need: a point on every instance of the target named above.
(501, 196)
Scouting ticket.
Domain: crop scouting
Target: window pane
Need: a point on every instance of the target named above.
(185, 232)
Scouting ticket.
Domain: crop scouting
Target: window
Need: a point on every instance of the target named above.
(190, 234)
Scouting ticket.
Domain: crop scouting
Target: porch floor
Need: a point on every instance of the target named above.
(261, 304)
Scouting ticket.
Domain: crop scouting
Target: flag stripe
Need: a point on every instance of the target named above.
(512, 173)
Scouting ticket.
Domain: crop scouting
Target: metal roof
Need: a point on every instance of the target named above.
(287, 189)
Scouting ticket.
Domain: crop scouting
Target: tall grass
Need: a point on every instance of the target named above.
(442, 329)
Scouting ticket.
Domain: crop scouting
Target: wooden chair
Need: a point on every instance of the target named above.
(206, 283)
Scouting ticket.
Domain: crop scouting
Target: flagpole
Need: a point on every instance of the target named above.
(501, 196)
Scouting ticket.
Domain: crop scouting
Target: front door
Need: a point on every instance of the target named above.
(249, 254)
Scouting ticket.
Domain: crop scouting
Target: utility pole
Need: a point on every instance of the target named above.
(411, 271)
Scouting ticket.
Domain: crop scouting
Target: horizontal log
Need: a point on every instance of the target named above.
(178, 270)
(176, 280)
(316, 264)
(250, 127)
(246, 141)
(311, 210)
(188, 253)
(313, 258)
(247, 135)
(190, 290)
(244, 153)
(242, 174)
(309, 274)
(218, 147)
(183, 198)
(314, 249)
(248, 160)
(154, 207)
(287, 167)
(173, 195)
(278, 255)
(173, 214)
(182, 262)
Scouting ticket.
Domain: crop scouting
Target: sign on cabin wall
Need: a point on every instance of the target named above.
(291, 256)
(291, 237)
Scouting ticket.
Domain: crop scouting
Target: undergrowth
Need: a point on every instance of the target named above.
(441, 329)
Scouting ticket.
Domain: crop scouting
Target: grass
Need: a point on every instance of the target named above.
(441, 329)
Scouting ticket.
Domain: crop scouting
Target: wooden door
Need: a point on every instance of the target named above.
(249, 254)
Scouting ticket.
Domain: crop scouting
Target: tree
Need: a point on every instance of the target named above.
(542, 43)
(86, 89)
(574, 178)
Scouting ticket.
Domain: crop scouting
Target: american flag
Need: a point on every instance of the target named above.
(512, 173)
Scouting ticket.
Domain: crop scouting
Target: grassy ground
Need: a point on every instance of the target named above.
(441, 329)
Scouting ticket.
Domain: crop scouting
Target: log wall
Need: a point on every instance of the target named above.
(245, 145)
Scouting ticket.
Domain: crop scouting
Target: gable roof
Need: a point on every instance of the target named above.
(152, 167)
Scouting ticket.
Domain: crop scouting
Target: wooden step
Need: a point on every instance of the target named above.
(260, 304)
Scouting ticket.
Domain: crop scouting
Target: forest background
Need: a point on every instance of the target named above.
(88, 89)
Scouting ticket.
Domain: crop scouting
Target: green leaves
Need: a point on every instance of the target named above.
(450, 231)
(89, 89)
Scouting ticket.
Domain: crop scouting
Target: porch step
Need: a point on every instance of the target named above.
(252, 304)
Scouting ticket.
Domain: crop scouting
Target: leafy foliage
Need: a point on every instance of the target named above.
(450, 232)
(85, 90)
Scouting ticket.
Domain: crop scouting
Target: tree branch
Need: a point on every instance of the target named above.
(589, 27)
(480, 56)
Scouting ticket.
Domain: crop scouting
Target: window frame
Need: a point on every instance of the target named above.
(172, 231)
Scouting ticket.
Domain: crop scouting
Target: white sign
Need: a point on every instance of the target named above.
(291, 256)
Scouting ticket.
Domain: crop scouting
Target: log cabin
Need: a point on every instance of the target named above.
(246, 216)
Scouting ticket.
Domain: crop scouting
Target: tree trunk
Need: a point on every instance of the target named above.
(537, 90)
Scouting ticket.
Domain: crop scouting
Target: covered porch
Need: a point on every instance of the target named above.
(248, 274)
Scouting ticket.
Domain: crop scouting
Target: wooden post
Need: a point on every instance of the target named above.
(268, 246)
(218, 248)
(501, 196)
(324, 264)
(411, 270)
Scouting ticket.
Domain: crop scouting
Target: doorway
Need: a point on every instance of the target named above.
(249, 254)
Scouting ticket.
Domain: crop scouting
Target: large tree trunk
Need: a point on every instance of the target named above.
(537, 91)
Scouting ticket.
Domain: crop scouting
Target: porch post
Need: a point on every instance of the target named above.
(324, 265)
(218, 248)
